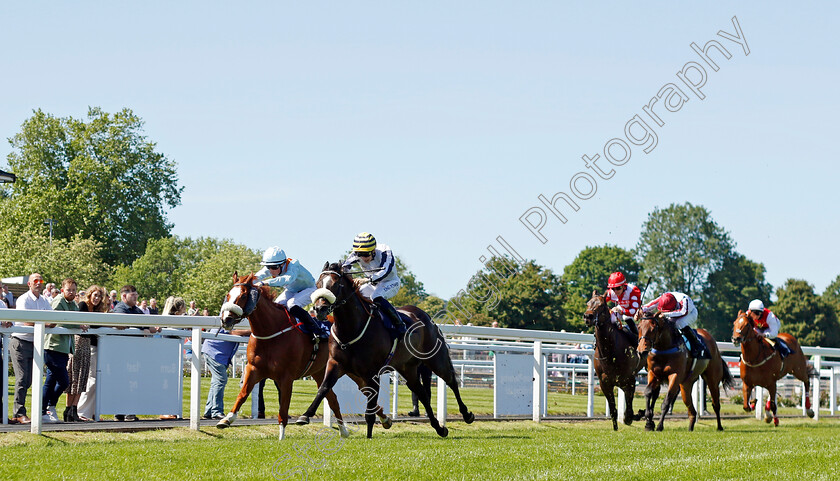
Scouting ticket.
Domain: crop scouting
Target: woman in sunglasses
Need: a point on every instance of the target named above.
(383, 282)
(297, 284)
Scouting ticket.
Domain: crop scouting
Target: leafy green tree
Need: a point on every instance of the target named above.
(210, 280)
(525, 296)
(411, 291)
(590, 270)
(432, 305)
(28, 250)
(99, 179)
(832, 295)
(680, 246)
(730, 289)
(805, 315)
(196, 269)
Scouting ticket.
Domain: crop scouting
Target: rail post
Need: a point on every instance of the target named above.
(538, 382)
(195, 380)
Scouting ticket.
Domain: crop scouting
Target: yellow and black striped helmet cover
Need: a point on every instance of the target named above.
(364, 242)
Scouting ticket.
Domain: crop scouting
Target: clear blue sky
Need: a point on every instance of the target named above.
(436, 125)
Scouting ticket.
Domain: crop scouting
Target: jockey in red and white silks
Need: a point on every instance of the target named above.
(765, 321)
(627, 296)
(682, 313)
(680, 309)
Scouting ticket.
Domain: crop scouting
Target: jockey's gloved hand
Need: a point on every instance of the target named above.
(618, 310)
(360, 281)
(767, 335)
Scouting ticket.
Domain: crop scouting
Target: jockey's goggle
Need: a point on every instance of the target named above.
(364, 254)
(275, 266)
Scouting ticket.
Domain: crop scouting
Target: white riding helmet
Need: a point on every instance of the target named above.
(273, 256)
(756, 305)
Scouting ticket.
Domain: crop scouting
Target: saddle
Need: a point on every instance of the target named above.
(704, 354)
(386, 321)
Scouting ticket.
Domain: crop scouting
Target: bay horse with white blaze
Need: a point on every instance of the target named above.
(762, 365)
(668, 361)
(361, 347)
(277, 349)
(616, 359)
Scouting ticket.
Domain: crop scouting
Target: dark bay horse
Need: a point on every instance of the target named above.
(277, 350)
(360, 346)
(761, 365)
(668, 361)
(616, 359)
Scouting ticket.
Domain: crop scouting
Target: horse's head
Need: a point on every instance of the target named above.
(334, 287)
(650, 328)
(240, 301)
(743, 329)
(596, 313)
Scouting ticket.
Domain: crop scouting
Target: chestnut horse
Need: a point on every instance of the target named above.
(616, 359)
(277, 350)
(668, 360)
(761, 365)
(361, 346)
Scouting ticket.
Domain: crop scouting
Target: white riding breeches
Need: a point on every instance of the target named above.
(291, 299)
(686, 320)
(387, 289)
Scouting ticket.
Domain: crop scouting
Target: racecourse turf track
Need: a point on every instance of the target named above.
(799, 447)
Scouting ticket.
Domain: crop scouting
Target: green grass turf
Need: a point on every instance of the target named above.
(479, 400)
(748, 449)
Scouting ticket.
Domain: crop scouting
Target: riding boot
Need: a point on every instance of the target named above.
(305, 318)
(784, 351)
(631, 325)
(391, 312)
(693, 341)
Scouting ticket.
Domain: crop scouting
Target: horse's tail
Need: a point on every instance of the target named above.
(812, 372)
(726, 380)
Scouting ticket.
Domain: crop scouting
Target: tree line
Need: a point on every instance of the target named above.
(92, 197)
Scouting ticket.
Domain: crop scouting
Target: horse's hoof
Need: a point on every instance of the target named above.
(443, 431)
(302, 421)
(720, 428)
(649, 426)
(469, 417)
(387, 422)
(226, 421)
(628, 420)
(748, 409)
(810, 413)
(767, 419)
(342, 429)
(660, 427)
(615, 426)
(775, 422)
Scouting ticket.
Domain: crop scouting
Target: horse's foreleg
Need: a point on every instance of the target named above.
(331, 376)
(608, 389)
(670, 397)
(746, 392)
(770, 408)
(651, 395)
(250, 378)
(685, 391)
(629, 389)
(285, 388)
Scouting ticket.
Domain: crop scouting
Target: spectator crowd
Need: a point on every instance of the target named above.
(70, 360)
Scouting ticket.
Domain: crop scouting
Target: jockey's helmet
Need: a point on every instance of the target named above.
(756, 305)
(364, 242)
(273, 256)
(616, 280)
(667, 302)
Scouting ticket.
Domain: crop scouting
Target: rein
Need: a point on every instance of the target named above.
(760, 343)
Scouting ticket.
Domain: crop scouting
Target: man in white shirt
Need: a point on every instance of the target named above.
(22, 346)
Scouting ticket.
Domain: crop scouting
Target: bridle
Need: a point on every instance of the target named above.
(240, 313)
(746, 337)
(338, 303)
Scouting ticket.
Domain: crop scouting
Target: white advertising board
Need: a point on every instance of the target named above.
(513, 384)
(139, 375)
